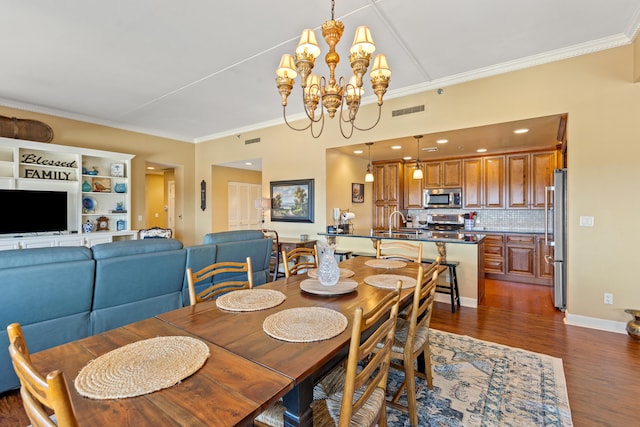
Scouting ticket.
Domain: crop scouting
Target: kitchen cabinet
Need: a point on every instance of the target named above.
(388, 182)
(542, 166)
(544, 270)
(528, 175)
(412, 187)
(493, 182)
(494, 253)
(388, 189)
(483, 182)
(446, 173)
(521, 251)
(518, 258)
(472, 183)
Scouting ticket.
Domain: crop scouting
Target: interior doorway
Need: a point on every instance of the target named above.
(160, 196)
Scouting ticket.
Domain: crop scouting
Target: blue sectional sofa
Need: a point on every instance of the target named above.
(62, 294)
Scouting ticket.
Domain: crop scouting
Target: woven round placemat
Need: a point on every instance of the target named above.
(388, 281)
(344, 273)
(250, 300)
(305, 324)
(141, 367)
(385, 263)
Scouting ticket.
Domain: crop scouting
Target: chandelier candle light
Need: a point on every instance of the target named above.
(332, 94)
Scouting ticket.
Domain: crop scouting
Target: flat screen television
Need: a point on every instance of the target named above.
(32, 211)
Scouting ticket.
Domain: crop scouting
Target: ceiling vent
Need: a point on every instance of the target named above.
(408, 110)
(251, 141)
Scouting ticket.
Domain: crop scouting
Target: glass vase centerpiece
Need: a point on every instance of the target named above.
(328, 270)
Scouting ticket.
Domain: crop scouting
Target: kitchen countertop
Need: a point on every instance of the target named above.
(419, 235)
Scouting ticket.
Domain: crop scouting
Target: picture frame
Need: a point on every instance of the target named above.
(101, 185)
(117, 169)
(292, 201)
(357, 193)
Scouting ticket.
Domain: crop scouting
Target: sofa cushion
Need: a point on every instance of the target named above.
(143, 276)
(232, 236)
(49, 292)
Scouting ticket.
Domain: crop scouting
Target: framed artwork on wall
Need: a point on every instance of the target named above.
(292, 201)
(357, 193)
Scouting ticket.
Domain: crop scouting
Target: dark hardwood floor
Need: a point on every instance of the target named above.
(601, 368)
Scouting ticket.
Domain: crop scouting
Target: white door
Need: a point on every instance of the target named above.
(243, 214)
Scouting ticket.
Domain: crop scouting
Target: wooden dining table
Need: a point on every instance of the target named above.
(247, 369)
(228, 390)
(304, 363)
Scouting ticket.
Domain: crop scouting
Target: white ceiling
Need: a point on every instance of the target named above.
(194, 70)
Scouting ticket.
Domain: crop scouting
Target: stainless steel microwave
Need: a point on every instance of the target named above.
(442, 198)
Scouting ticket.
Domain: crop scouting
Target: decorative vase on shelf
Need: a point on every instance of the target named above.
(87, 227)
(633, 326)
(86, 187)
(328, 270)
(120, 187)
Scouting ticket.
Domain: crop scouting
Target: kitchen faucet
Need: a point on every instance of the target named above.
(391, 217)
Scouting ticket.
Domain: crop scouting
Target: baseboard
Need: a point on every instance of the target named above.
(464, 302)
(596, 323)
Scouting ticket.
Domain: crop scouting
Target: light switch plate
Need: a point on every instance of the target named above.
(586, 221)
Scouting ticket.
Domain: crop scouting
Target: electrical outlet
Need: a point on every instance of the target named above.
(608, 298)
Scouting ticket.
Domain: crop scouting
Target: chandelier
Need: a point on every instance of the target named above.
(332, 94)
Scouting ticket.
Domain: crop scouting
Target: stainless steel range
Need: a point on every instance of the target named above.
(445, 222)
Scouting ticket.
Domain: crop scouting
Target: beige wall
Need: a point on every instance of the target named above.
(145, 148)
(155, 215)
(603, 103)
(218, 196)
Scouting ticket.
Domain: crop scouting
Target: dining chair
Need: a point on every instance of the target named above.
(40, 395)
(353, 393)
(299, 260)
(394, 249)
(237, 269)
(274, 260)
(411, 341)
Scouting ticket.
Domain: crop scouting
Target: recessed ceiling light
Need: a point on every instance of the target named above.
(357, 152)
(481, 150)
(248, 164)
(430, 149)
(150, 167)
(406, 158)
(442, 141)
(396, 147)
(521, 131)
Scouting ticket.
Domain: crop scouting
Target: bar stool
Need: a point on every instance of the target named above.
(342, 255)
(451, 288)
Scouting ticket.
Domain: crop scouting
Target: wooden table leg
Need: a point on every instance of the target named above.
(297, 405)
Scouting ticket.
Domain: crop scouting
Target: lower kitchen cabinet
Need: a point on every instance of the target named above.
(518, 258)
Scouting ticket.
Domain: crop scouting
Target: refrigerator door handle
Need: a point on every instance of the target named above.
(547, 241)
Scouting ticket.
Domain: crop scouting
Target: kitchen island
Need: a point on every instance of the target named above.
(465, 248)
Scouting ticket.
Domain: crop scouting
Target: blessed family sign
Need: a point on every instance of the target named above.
(56, 174)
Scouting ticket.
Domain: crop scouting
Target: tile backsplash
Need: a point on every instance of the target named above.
(515, 220)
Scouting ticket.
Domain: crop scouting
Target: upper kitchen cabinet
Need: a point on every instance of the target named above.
(447, 173)
(483, 182)
(388, 182)
(388, 189)
(413, 187)
(528, 175)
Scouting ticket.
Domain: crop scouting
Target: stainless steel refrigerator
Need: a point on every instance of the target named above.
(556, 235)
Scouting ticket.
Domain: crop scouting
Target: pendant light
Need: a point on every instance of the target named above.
(417, 172)
(369, 176)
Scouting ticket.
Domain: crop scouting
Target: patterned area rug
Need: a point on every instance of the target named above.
(479, 383)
